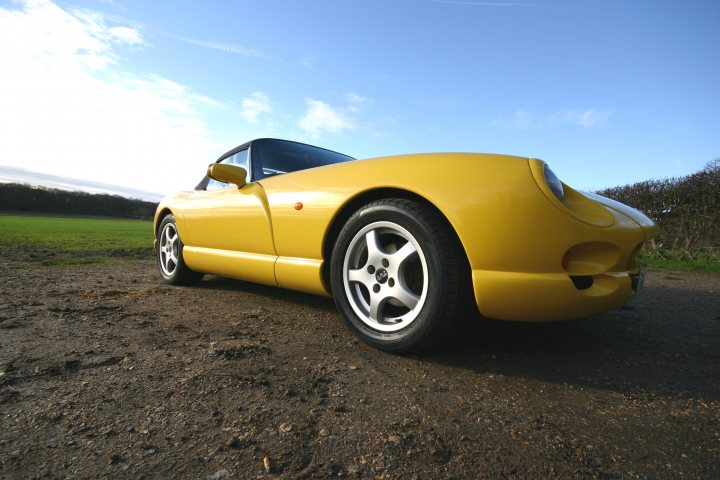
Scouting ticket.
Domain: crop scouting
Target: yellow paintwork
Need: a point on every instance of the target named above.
(227, 173)
(515, 233)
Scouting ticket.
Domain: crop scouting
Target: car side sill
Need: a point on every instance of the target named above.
(251, 267)
(303, 274)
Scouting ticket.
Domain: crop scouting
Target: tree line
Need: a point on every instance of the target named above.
(686, 208)
(24, 198)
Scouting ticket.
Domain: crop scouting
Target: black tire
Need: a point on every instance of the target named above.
(170, 255)
(397, 276)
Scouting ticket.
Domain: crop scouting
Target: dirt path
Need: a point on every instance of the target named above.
(106, 372)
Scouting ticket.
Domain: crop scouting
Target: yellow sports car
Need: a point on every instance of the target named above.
(403, 243)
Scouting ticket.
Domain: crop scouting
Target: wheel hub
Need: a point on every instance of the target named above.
(385, 276)
(169, 249)
(381, 275)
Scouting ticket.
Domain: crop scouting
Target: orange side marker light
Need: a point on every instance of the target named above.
(298, 206)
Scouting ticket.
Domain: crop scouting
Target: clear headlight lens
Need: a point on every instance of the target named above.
(554, 183)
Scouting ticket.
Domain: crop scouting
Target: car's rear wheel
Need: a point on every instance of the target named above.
(169, 255)
(395, 275)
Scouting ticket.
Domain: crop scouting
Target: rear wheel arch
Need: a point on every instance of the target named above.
(159, 218)
(169, 254)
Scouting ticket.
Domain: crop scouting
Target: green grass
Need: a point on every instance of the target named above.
(48, 241)
(673, 261)
(72, 241)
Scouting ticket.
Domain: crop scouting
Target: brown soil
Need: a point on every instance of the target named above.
(107, 372)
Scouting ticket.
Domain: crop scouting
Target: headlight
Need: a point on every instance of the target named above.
(554, 183)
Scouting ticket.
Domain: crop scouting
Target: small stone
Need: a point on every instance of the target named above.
(353, 469)
(234, 442)
(353, 367)
(266, 464)
(394, 439)
(220, 475)
(285, 427)
(324, 432)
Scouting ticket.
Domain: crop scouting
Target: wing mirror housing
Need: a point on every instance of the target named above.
(227, 174)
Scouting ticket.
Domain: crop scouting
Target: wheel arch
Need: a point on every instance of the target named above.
(355, 203)
(159, 218)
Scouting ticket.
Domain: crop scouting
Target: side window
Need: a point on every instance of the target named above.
(239, 159)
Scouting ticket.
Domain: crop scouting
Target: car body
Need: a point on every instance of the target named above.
(502, 230)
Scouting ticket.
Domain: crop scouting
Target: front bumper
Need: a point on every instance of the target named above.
(544, 297)
(585, 264)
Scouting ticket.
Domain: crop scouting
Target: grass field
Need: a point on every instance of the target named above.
(51, 240)
(701, 264)
(74, 240)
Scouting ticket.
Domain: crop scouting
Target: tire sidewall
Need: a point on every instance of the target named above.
(425, 321)
(173, 278)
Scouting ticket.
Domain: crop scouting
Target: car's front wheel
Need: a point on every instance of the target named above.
(169, 255)
(395, 275)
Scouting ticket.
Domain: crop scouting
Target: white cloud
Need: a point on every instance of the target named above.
(523, 120)
(354, 98)
(254, 105)
(128, 26)
(307, 62)
(355, 102)
(585, 118)
(126, 35)
(520, 120)
(322, 117)
(69, 108)
(223, 47)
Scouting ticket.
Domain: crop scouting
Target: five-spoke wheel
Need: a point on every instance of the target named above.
(394, 274)
(169, 255)
(169, 249)
(385, 276)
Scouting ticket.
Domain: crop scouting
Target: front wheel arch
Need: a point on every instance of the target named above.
(404, 314)
(364, 198)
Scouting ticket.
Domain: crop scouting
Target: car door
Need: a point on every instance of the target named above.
(227, 230)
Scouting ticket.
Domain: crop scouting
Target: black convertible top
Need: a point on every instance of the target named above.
(267, 158)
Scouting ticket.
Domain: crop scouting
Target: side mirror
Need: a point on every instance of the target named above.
(227, 174)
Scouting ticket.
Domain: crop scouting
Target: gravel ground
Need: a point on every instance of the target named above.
(107, 372)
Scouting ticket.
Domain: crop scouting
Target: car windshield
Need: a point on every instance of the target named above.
(272, 157)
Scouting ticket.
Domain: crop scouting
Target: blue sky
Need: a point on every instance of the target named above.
(146, 94)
